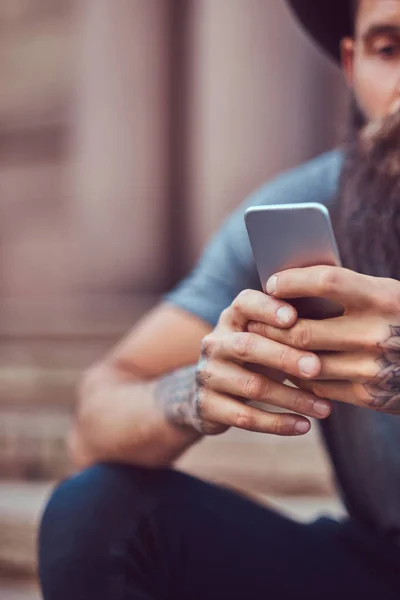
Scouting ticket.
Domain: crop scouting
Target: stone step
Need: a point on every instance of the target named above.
(44, 372)
(21, 505)
(27, 386)
(46, 343)
(11, 589)
(78, 317)
(33, 447)
(53, 353)
(33, 443)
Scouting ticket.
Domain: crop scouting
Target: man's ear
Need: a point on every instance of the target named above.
(347, 56)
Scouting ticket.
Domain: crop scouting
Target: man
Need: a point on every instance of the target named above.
(144, 531)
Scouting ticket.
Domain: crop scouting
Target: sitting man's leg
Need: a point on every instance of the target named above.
(123, 533)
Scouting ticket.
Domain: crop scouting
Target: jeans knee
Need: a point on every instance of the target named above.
(89, 512)
(92, 501)
(82, 518)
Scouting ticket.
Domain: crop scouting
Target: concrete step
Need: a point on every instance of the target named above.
(33, 443)
(21, 505)
(19, 590)
(44, 372)
(27, 386)
(86, 316)
(45, 343)
(33, 447)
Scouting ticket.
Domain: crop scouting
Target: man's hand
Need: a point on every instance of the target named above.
(360, 351)
(232, 371)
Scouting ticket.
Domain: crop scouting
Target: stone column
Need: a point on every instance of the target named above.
(262, 99)
(120, 173)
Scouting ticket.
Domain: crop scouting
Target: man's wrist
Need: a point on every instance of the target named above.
(175, 397)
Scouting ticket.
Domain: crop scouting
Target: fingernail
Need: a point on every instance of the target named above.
(308, 365)
(271, 284)
(322, 408)
(284, 314)
(302, 427)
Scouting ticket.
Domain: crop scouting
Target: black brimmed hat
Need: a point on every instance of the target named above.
(327, 21)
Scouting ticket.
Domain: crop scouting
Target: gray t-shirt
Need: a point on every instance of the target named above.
(364, 445)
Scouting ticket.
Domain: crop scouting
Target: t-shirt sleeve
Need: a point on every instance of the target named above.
(227, 266)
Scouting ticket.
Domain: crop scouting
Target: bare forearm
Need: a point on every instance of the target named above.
(137, 422)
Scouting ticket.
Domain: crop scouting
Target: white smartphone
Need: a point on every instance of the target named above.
(287, 236)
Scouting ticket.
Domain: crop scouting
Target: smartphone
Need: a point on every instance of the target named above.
(287, 236)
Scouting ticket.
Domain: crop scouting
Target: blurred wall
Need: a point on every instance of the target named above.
(36, 75)
(261, 99)
(130, 128)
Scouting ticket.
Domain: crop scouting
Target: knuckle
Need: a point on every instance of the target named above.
(243, 345)
(285, 358)
(241, 300)
(208, 345)
(243, 420)
(256, 388)
(266, 304)
(276, 427)
(329, 280)
(330, 277)
(298, 402)
(300, 335)
(251, 302)
(246, 292)
(202, 377)
(201, 404)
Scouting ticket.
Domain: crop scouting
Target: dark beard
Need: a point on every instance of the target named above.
(366, 219)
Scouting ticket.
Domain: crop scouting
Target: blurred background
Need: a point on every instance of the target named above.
(128, 130)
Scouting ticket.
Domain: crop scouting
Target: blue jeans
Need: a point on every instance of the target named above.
(124, 533)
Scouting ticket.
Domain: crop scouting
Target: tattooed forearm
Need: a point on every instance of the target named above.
(176, 395)
(179, 397)
(384, 388)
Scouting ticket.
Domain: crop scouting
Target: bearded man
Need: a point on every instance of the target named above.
(128, 526)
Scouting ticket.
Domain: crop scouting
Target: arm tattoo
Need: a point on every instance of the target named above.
(177, 395)
(384, 388)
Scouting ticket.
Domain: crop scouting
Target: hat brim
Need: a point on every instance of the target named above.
(327, 21)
